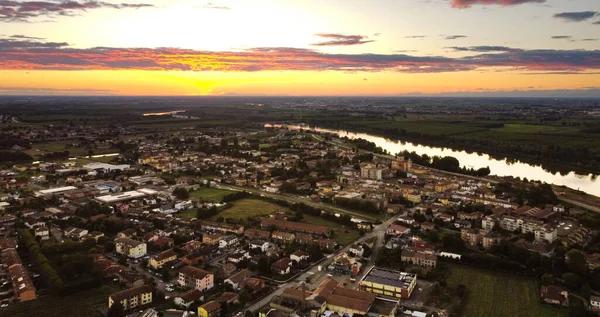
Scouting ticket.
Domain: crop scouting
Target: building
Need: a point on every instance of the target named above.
(132, 298)
(555, 295)
(195, 278)
(212, 239)
(21, 282)
(157, 261)
(595, 303)
(130, 248)
(395, 230)
(389, 283)
(299, 256)
(491, 239)
(236, 279)
(419, 258)
(282, 266)
(228, 241)
(546, 233)
(472, 237)
(210, 309)
(188, 298)
(371, 171)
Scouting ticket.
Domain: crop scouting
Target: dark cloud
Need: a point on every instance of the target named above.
(216, 7)
(468, 3)
(415, 37)
(596, 23)
(576, 16)
(28, 11)
(341, 40)
(455, 37)
(561, 37)
(38, 55)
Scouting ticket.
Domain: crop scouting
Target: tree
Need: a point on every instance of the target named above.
(576, 261)
(572, 280)
(181, 193)
(116, 310)
(547, 279)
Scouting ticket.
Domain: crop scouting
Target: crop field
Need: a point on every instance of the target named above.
(82, 304)
(532, 128)
(341, 235)
(244, 208)
(210, 193)
(495, 294)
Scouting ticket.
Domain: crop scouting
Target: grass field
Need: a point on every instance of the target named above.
(340, 235)
(244, 208)
(83, 304)
(210, 193)
(495, 294)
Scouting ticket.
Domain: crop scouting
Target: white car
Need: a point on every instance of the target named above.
(4, 305)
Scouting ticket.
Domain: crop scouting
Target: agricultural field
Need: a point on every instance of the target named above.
(495, 294)
(59, 306)
(210, 193)
(342, 236)
(244, 208)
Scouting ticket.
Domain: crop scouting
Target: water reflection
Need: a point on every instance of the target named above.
(508, 167)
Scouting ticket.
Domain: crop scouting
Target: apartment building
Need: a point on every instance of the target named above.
(420, 258)
(157, 261)
(196, 278)
(130, 248)
(132, 298)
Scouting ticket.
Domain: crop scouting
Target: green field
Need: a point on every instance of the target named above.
(210, 193)
(495, 294)
(83, 304)
(244, 208)
(340, 235)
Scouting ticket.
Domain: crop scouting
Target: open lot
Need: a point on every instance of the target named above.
(210, 193)
(82, 304)
(244, 208)
(341, 235)
(495, 294)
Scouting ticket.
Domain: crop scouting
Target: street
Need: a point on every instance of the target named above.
(378, 231)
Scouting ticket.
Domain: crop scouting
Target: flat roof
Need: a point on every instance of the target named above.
(54, 190)
(389, 277)
(120, 196)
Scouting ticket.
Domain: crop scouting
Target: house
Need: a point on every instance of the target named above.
(364, 226)
(157, 261)
(236, 279)
(228, 241)
(127, 233)
(555, 295)
(238, 256)
(282, 266)
(132, 298)
(130, 248)
(229, 298)
(595, 303)
(162, 243)
(427, 226)
(43, 232)
(299, 256)
(191, 246)
(212, 239)
(196, 278)
(257, 234)
(357, 250)
(262, 245)
(420, 258)
(210, 309)
(396, 230)
(472, 237)
(283, 236)
(188, 298)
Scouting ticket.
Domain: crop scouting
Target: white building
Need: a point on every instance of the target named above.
(130, 248)
(546, 233)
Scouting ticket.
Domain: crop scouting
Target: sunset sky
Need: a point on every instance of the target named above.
(298, 47)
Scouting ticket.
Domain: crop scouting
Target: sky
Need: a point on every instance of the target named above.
(300, 47)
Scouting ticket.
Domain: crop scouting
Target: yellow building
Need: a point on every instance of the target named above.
(211, 239)
(210, 309)
(415, 198)
(132, 298)
(157, 261)
(389, 283)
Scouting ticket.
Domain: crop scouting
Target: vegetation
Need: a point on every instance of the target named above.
(210, 193)
(248, 208)
(495, 294)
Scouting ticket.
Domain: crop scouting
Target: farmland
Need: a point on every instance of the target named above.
(210, 193)
(495, 294)
(244, 208)
(341, 235)
(55, 306)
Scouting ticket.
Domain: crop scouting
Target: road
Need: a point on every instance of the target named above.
(295, 199)
(378, 231)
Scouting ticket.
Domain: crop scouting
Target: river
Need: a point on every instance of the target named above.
(585, 183)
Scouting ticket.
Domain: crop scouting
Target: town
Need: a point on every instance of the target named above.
(270, 221)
